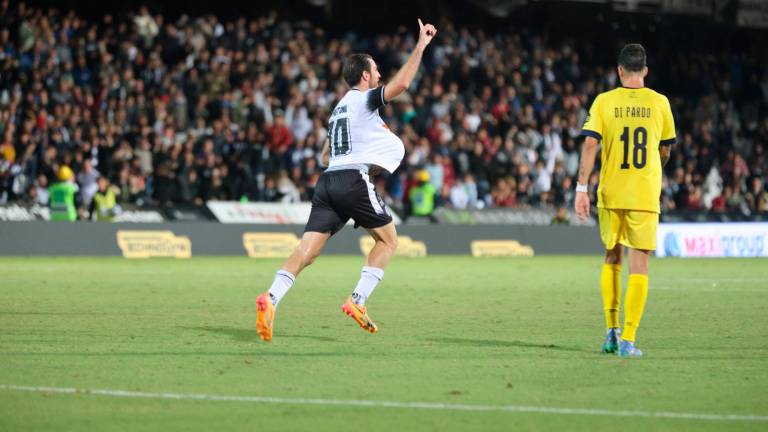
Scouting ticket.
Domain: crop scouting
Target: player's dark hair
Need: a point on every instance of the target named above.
(354, 66)
(632, 57)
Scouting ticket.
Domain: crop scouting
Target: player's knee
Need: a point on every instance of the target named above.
(613, 257)
(390, 244)
(395, 243)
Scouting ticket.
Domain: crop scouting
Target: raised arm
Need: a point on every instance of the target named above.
(588, 153)
(404, 76)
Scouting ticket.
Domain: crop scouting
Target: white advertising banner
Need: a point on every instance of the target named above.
(260, 212)
(752, 13)
(692, 7)
(234, 212)
(744, 239)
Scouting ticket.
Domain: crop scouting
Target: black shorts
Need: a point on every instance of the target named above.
(344, 194)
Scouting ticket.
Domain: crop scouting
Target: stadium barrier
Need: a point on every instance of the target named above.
(20, 212)
(185, 239)
(712, 240)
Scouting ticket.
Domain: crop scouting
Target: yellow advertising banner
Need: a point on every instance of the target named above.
(407, 246)
(269, 244)
(494, 248)
(151, 244)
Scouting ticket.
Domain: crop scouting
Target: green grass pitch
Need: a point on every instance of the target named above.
(453, 330)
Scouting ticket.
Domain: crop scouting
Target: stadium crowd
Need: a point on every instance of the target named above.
(196, 109)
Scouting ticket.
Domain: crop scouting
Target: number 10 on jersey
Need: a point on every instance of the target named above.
(338, 134)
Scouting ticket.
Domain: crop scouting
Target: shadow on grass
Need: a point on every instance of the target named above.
(238, 334)
(495, 343)
(249, 335)
(56, 313)
(259, 353)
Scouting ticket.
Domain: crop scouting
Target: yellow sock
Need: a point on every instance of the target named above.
(637, 293)
(610, 286)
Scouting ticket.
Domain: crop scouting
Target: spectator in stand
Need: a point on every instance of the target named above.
(63, 200)
(280, 140)
(463, 193)
(286, 188)
(87, 179)
(694, 199)
(757, 196)
(565, 193)
(41, 190)
(459, 195)
(422, 196)
(561, 217)
(31, 197)
(104, 205)
(734, 200)
(504, 194)
(543, 182)
(436, 171)
(719, 202)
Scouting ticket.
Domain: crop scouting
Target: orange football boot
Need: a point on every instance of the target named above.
(265, 317)
(359, 313)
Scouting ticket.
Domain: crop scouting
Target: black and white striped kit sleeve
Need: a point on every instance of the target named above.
(376, 98)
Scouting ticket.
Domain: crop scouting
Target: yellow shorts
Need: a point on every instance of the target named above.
(632, 228)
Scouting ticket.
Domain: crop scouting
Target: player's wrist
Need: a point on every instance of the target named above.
(582, 188)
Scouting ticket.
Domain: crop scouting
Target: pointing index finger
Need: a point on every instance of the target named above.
(421, 24)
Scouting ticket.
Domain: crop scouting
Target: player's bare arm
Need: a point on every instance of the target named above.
(665, 152)
(325, 154)
(407, 72)
(588, 153)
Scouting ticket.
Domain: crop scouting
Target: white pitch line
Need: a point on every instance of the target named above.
(389, 404)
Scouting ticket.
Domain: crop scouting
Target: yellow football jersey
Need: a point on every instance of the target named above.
(631, 123)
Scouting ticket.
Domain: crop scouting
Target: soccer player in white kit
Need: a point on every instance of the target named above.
(359, 144)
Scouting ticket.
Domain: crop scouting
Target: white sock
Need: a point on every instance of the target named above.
(282, 283)
(369, 278)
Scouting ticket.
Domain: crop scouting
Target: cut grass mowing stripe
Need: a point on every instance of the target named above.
(389, 404)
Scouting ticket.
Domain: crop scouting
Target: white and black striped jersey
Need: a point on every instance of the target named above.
(358, 135)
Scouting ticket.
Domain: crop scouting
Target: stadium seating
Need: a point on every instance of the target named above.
(185, 111)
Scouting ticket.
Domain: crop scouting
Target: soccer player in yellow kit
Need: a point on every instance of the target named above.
(637, 131)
